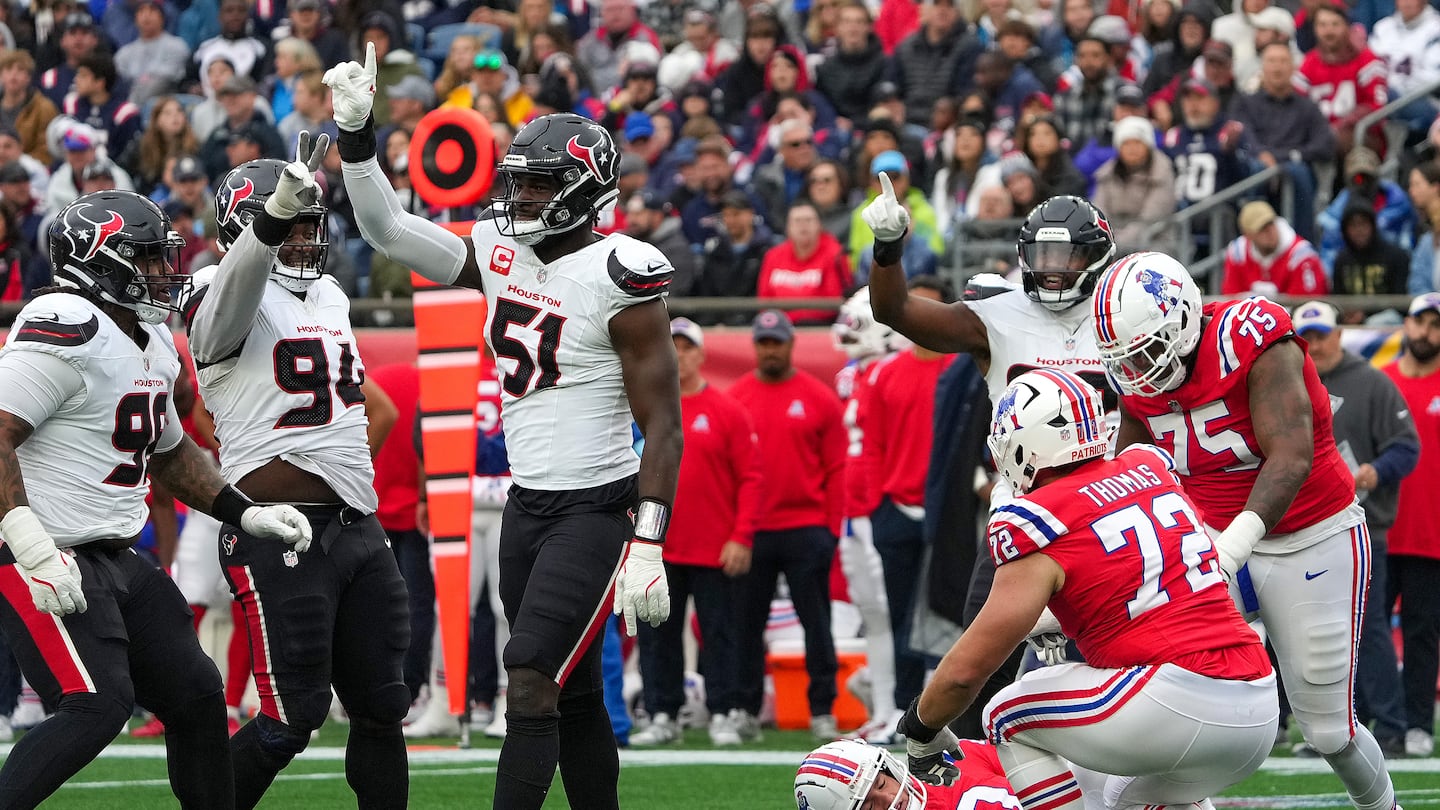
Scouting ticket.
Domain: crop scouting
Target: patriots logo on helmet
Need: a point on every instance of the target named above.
(237, 196)
(600, 162)
(1005, 410)
(1163, 289)
(103, 231)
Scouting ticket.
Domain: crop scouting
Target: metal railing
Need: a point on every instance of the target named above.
(1394, 130)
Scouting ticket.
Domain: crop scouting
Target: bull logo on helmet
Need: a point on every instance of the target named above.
(103, 231)
(237, 196)
(600, 161)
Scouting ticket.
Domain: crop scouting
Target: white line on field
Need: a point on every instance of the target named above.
(284, 777)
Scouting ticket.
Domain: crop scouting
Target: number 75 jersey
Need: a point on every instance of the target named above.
(1206, 423)
(567, 418)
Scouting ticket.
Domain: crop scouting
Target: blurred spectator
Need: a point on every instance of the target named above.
(1115, 33)
(1269, 258)
(1216, 67)
(518, 30)
(491, 75)
(1237, 29)
(120, 24)
(937, 60)
(779, 182)
(638, 92)
(308, 20)
(888, 105)
(99, 175)
(1406, 41)
(20, 274)
(10, 152)
(745, 78)
(235, 44)
(736, 15)
(826, 189)
(79, 37)
(924, 230)
(294, 58)
(707, 550)
(15, 190)
(210, 113)
(601, 49)
(188, 185)
(1155, 28)
(1007, 84)
(858, 63)
(458, 70)
(199, 22)
(786, 73)
(409, 101)
(1129, 102)
(896, 20)
(899, 408)
(155, 62)
(191, 229)
(1022, 181)
(1425, 195)
(1368, 264)
(1363, 186)
(242, 119)
(1376, 435)
(1018, 41)
(1414, 558)
(734, 255)
(649, 218)
(701, 55)
(81, 150)
(166, 136)
(1272, 24)
(311, 111)
(822, 21)
(94, 102)
(715, 177)
(1085, 106)
(802, 443)
(1346, 82)
(1287, 129)
(1209, 150)
(966, 167)
(1075, 19)
(394, 61)
(1136, 189)
(1041, 139)
(23, 107)
(810, 263)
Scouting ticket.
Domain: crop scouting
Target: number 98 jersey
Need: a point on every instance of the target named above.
(1142, 582)
(292, 391)
(1205, 423)
(567, 419)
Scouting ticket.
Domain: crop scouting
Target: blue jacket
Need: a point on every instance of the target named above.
(1422, 266)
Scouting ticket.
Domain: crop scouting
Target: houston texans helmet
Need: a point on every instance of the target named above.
(1046, 419)
(242, 194)
(578, 156)
(839, 776)
(119, 247)
(1148, 314)
(1064, 245)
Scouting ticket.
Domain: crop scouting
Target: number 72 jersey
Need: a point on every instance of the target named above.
(1206, 423)
(567, 418)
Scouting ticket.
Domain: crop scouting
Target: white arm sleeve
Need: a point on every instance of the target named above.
(415, 242)
(173, 434)
(227, 311)
(34, 385)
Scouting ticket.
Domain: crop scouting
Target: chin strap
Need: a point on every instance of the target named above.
(293, 284)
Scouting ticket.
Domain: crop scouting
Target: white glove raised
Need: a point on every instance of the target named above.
(352, 90)
(1235, 544)
(641, 590)
(886, 217)
(281, 521)
(296, 189)
(52, 575)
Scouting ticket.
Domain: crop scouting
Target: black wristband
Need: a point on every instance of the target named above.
(271, 230)
(230, 505)
(913, 728)
(887, 254)
(357, 146)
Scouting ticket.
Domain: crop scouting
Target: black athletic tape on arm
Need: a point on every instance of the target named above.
(271, 230)
(913, 727)
(357, 146)
(230, 505)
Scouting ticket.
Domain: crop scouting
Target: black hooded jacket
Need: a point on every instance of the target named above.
(1171, 59)
(1379, 268)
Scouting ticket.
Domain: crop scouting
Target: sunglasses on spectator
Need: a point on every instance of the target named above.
(489, 61)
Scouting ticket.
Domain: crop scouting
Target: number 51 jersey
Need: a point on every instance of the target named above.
(292, 391)
(1142, 581)
(567, 419)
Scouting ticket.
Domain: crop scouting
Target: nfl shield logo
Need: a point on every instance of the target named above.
(1070, 344)
(291, 559)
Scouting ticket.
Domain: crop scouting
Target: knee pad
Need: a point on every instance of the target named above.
(106, 714)
(1329, 649)
(196, 710)
(384, 706)
(530, 693)
(276, 738)
(522, 652)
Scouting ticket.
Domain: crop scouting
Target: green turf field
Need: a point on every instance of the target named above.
(131, 776)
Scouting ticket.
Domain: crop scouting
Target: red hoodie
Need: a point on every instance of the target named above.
(825, 272)
(717, 498)
(900, 426)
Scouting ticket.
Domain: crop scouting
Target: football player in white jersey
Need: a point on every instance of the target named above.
(582, 337)
(86, 421)
(1063, 247)
(278, 370)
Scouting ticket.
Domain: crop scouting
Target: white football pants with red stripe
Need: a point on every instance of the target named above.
(1168, 735)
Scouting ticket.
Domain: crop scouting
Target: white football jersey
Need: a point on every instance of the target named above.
(85, 466)
(293, 391)
(1025, 335)
(567, 419)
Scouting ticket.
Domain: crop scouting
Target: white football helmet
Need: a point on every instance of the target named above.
(838, 776)
(857, 333)
(1046, 419)
(1147, 322)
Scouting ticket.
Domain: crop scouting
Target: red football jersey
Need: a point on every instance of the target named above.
(1342, 89)
(851, 383)
(1205, 423)
(1142, 582)
(981, 785)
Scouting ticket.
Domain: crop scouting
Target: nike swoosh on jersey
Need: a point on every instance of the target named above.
(651, 281)
(1309, 576)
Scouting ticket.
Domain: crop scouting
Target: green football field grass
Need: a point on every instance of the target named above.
(131, 776)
